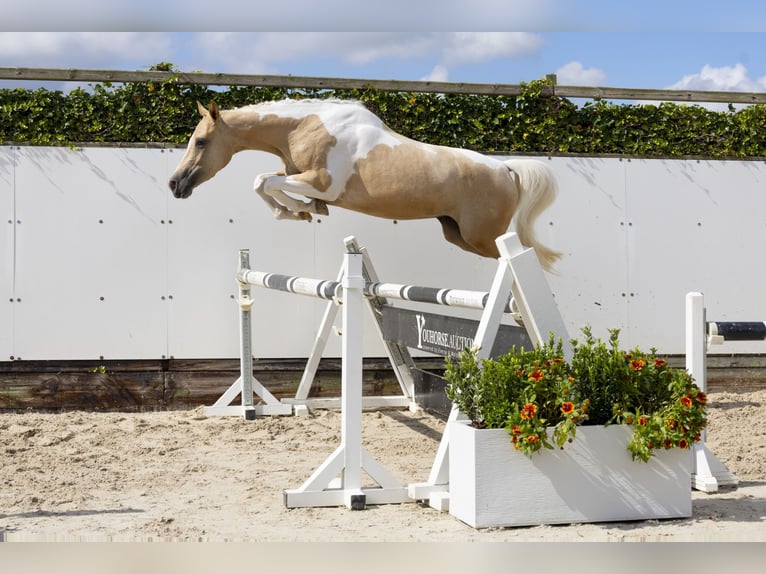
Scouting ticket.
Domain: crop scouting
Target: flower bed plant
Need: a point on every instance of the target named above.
(540, 398)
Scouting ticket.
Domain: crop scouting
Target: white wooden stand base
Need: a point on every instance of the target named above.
(338, 480)
(592, 479)
(709, 473)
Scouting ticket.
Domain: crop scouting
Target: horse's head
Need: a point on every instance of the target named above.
(209, 151)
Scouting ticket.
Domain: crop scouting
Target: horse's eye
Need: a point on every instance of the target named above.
(200, 143)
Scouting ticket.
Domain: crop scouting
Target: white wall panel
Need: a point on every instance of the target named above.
(222, 216)
(696, 226)
(7, 228)
(636, 234)
(91, 256)
(587, 224)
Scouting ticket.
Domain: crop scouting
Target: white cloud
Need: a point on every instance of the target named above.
(255, 52)
(724, 79)
(575, 74)
(82, 49)
(473, 47)
(439, 73)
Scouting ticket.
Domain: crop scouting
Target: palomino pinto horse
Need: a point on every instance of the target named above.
(339, 153)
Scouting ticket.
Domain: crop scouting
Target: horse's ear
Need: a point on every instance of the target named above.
(201, 108)
(215, 113)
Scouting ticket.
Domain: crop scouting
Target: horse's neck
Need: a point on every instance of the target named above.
(256, 131)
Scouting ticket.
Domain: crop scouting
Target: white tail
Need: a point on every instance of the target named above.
(537, 190)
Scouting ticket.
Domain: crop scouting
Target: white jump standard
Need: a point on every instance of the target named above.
(338, 480)
(708, 473)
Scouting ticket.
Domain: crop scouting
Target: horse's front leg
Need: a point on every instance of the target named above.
(279, 210)
(276, 186)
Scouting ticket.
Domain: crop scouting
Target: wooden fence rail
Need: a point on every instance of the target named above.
(215, 79)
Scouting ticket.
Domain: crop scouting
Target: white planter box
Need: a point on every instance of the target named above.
(593, 479)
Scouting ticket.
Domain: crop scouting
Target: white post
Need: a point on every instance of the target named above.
(351, 380)
(246, 341)
(532, 294)
(696, 335)
(708, 473)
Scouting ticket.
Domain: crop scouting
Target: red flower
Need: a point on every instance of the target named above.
(659, 363)
(668, 444)
(537, 375)
(516, 430)
(629, 420)
(532, 439)
(683, 443)
(702, 398)
(642, 420)
(671, 424)
(528, 411)
(567, 407)
(637, 364)
(686, 401)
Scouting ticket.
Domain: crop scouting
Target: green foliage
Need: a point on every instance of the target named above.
(540, 398)
(530, 122)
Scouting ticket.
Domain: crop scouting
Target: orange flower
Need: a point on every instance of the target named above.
(537, 375)
(516, 430)
(637, 364)
(629, 420)
(528, 411)
(686, 401)
(671, 424)
(659, 363)
(567, 407)
(642, 420)
(533, 438)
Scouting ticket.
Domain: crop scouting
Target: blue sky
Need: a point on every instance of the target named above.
(649, 44)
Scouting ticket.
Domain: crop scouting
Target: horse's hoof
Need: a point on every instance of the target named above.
(305, 216)
(321, 208)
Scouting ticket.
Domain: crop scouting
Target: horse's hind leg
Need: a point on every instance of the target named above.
(451, 232)
(478, 239)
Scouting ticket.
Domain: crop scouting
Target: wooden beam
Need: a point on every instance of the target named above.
(216, 79)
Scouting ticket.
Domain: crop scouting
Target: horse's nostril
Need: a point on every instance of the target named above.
(172, 184)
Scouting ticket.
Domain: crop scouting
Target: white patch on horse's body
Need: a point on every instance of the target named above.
(356, 130)
(339, 153)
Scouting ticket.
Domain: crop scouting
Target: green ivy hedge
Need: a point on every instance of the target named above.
(531, 122)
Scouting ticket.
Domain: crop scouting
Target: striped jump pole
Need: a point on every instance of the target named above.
(718, 332)
(330, 290)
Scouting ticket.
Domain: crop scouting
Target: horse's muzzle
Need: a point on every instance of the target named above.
(179, 190)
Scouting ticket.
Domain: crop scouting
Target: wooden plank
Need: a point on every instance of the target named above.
(178, 384)
(137, 390)
(312, 82)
